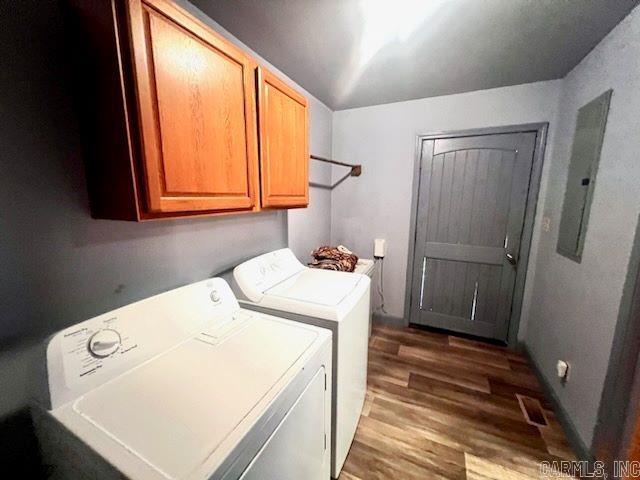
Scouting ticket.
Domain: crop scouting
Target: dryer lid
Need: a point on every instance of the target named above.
(176, 411)
(319, 287)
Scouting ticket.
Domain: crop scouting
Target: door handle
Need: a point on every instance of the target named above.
(511, 259)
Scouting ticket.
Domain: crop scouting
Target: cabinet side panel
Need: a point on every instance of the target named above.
(101, 104)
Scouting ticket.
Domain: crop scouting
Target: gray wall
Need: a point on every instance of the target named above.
(58, 265)
(574, 306)
(382, 138)
(310, 227)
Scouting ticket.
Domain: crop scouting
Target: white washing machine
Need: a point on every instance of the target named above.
(186, 385)
(277, 283)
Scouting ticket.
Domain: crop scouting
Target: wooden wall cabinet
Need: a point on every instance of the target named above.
(284, 143)
(169, 117)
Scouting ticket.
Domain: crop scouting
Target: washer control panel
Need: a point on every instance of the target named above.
(89, 348)
(85, 355)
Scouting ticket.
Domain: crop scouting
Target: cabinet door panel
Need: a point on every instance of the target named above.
(195, 97)
(284, 144)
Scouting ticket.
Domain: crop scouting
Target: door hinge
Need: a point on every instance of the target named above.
(325, 382)
(325, 441)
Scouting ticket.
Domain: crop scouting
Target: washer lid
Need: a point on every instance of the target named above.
(320, 287)
(175, 411)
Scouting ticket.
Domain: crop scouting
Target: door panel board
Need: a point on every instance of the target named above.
(465, 253)
(451, 322)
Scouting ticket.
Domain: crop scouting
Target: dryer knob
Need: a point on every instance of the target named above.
(214, 296)
(104, 342)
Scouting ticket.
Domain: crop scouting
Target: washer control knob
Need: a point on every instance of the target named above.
(214, 296)
(104, 342)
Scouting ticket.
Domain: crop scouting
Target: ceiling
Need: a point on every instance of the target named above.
(353, 53)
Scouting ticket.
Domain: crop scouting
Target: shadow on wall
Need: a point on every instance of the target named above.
(58, 265)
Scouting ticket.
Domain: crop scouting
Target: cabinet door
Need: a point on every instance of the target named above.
(284, 143)
(196, 105)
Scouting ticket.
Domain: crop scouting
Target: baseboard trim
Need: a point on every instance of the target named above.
(388, 320)
(578, 445)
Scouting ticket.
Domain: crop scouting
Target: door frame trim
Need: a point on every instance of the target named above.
(618, 419)
(541, 131)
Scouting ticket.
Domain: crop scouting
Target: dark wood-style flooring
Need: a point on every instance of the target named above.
(445, 407)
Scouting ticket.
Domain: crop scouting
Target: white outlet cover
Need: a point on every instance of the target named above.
(379, 247)
(562, 369)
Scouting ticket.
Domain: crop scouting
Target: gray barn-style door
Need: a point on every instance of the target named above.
(471, 206)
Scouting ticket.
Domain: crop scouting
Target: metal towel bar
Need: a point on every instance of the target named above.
(356, 169)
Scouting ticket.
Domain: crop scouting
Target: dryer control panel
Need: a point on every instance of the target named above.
(85, 355)
(256, 276)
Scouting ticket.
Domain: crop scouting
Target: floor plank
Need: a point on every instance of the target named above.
(461, 405)
(432, 370)
(480, 469)
(459, 358)
(444, 407)
(388, 346)
(435, 458)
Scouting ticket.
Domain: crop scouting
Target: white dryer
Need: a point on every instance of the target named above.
(367, 267)
(277, 283)
(186, 385)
